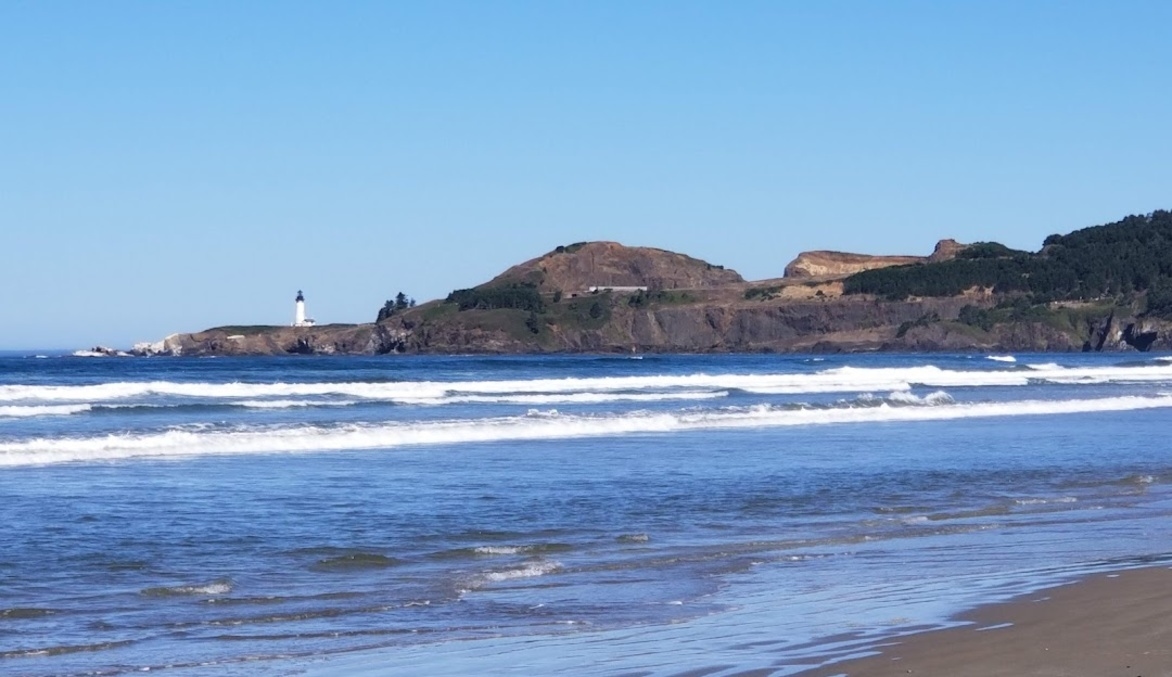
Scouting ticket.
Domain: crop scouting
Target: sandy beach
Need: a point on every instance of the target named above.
(1107, 625)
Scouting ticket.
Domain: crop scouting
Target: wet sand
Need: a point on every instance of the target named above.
(1106, 625)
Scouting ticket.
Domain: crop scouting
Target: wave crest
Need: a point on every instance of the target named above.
(193, 441)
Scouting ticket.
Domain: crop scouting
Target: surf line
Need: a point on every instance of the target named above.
(536, 425)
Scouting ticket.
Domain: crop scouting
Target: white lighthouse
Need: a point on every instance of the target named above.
(299, 319)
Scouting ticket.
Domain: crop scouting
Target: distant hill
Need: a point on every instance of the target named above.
(578, 267)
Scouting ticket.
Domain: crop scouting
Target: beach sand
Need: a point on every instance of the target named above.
(1107, 625)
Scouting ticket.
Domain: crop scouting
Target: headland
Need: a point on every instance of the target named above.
(1105, 288)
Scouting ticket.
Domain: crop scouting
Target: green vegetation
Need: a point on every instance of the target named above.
(246, 329)
(922, 321)
(438, 310)
(255, 329)
(975, 334)
(518, 324)
(1076, 318)
(642, 298)
(519, 296)
(988, 250)
(522, 311)
(570, 248)
(589, 313)
(396, 305)
(763, 293)
(975, 317)
(1112, 261)
(1159, 298)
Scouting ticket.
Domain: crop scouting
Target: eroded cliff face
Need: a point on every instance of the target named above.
(841, 264)
(830, 264)
(828, 325)
(847, 324)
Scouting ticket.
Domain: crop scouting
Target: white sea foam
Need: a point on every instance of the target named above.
(1045, 501)
(542, 391)
(1001, 358)
(696, 386)
(311, 438)
(499, 549)
(572, 398)
(213, 588)
(530, 570)
(217, 588)
(19, 411)
(931, 399)
(288, 404)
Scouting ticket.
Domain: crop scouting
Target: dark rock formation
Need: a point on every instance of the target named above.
(945, 250)
(1139, 339)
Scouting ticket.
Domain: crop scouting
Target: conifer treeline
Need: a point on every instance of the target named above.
(1130, 256)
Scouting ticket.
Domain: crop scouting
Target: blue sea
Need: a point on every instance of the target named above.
(627, 515)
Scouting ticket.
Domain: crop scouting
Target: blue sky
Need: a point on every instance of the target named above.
(173, 166)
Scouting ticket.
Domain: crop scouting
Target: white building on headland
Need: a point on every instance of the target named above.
(299, 318)
(610, 287)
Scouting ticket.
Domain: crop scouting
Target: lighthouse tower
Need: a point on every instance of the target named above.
(299, 319)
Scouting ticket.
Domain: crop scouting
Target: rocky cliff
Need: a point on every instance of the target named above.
(841, 264)
(834, 325)
(847, 324)
(333, 339)
(829, 264)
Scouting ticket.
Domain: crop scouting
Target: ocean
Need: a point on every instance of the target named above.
(627, 515)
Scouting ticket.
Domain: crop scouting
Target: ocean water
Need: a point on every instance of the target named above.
(651, 515)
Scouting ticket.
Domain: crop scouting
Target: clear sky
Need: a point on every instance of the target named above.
(170, 166)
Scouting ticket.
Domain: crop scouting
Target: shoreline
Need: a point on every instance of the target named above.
(1113, 623)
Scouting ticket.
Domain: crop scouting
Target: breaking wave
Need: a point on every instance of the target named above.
(598, 389)
(220, 587)
(931, 399)
(531, 569)
(19, 411)
(538, 425)
(1045, 366)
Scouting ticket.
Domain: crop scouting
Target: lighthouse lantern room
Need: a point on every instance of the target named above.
(299, 319)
